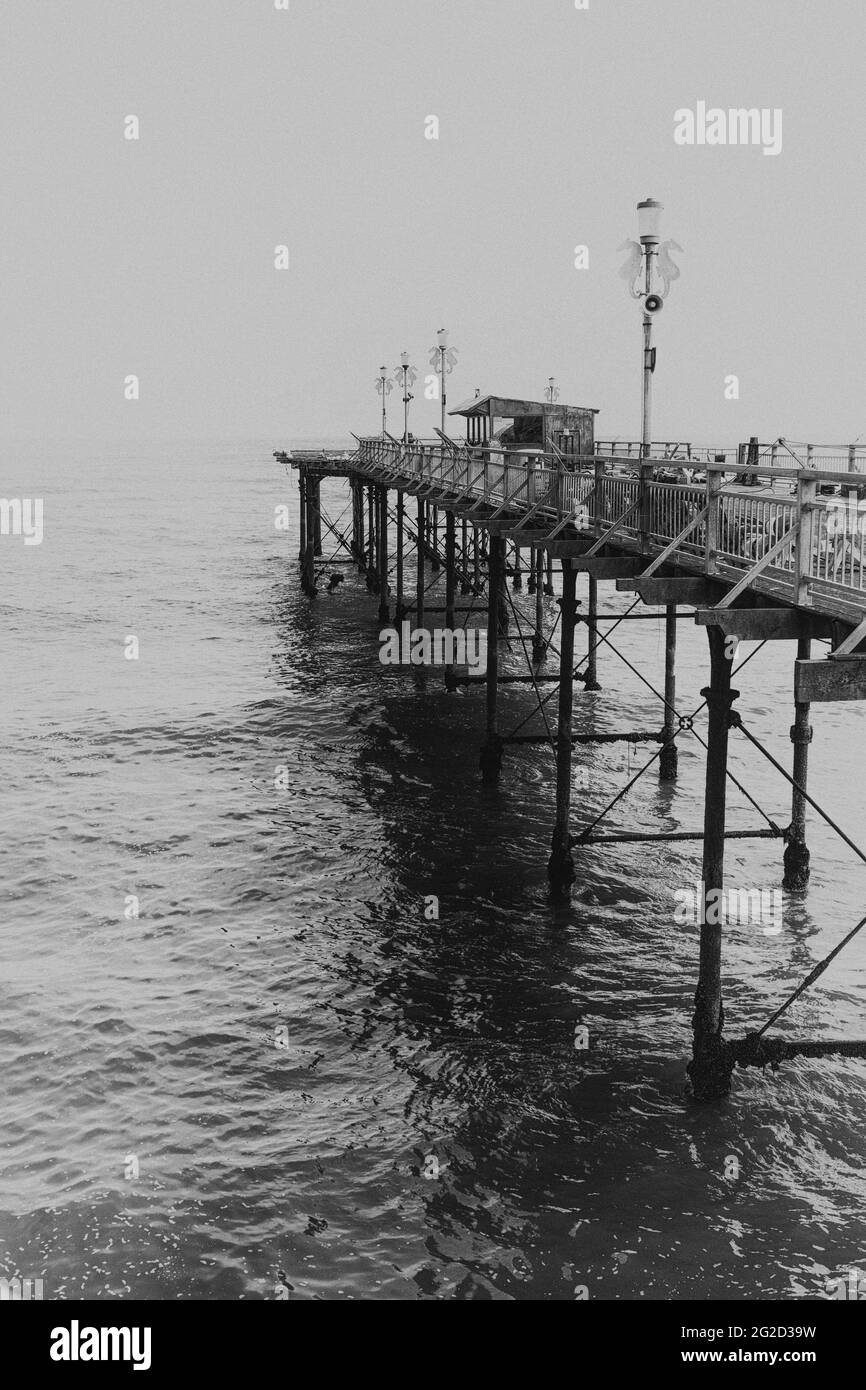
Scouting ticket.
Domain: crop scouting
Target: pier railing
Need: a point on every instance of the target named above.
(807, 545)
(838, 458)
(677, 451)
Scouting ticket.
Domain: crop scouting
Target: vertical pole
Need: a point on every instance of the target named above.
(539, 646)
(807, 490)
(476, 562)
(710, 1068)
(518, 571)
(302, 513)
(359, 504)
(434, 538)
(372, 567)
(796, 858)
(399, 614)
(384, 609)
(646, 430)
(498, 596)
(548, 588)
(317, 514)
(442, 392)
(419, 597)
(714, 489)
(316, 519)
(465, 584)
(450, 574)
(308, 581)
(560, 866)
(532, 569)
(591, 682)
(669, 759)
(491, 751)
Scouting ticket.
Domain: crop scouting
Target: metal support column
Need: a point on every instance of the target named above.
(399, 613)
(539, 646)
(560, 866)
(711, 1067)
(384, 609)
(669, 758)
(302, 491)
(419, 598)
(372, 568)
(796, 858)
(591, 682)
(491, 752)
(450, 570)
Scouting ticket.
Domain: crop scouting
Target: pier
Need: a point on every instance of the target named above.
(760, 543)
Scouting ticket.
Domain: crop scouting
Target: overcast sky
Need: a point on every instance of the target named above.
(260, 127)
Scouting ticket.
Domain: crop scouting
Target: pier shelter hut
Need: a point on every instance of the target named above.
(519, 427)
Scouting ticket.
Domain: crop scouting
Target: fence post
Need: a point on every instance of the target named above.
(714, 487)
(598, 470)
(807, 488)
(645, 478)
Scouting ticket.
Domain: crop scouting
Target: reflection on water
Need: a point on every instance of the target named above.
(313, 1074)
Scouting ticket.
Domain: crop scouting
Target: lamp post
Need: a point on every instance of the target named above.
(443, 358)
(384, 385)
(409, 376)
(649, 261)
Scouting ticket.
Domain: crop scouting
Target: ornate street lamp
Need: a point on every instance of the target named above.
(443, 358)
(384, 386)
(551, 393)
(409, 376)
(647, 261)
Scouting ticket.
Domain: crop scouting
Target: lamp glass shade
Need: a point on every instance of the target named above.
(404, 359)
(442, 337)
(649, 220)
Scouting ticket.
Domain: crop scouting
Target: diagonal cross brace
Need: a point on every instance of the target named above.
(757, 569)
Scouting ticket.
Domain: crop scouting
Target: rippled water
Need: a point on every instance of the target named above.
(301, 906)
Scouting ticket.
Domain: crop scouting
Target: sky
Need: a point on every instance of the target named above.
(305, 127)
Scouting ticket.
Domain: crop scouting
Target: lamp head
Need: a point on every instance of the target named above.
(648, 221)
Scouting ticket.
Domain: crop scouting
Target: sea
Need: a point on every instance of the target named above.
(288, 1012)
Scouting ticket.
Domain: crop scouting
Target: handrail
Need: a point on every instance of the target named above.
(805, 546)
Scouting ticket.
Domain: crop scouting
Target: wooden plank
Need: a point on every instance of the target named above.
(678, 590)
(758, 624)
(818, 681)
(603, 567)
(502, 526)
(526, 537)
